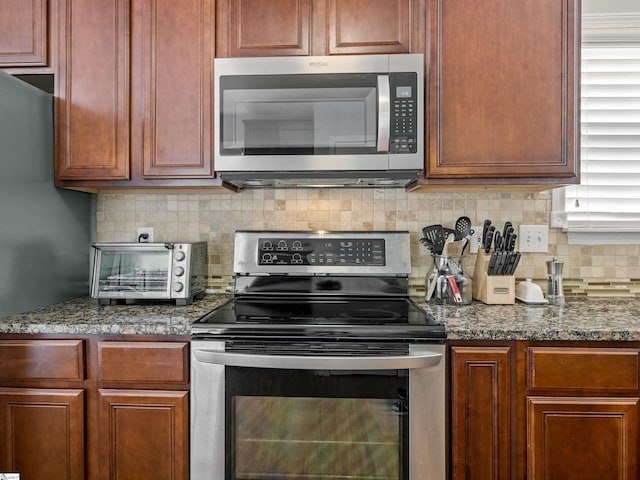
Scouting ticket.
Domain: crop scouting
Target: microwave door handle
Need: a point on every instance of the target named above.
(384, 113)
(301, 362)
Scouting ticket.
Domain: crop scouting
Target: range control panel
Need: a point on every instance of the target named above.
(271, 252)
(317, 251)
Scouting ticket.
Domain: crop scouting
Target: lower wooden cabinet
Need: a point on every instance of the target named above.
(143, 435)
(94, 408)
(42, 433)
(481, 412)
(545, 411)
(582, 438)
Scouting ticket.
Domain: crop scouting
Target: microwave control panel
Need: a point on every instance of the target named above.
(404, 113)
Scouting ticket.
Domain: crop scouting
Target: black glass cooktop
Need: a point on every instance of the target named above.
(309, 317)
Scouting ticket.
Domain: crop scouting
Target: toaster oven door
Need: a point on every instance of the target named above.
(132, 272)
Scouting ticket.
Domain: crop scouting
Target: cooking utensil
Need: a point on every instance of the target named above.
(435, 234)
(462, 227)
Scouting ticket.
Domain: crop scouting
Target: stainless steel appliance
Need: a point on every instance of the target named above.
(149, 271)
(354, 120)
(320, 366)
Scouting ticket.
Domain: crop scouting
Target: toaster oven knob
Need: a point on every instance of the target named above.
(178, 271)
(178, 287)
(179, 255)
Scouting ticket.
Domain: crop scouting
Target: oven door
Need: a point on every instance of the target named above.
(317, 417)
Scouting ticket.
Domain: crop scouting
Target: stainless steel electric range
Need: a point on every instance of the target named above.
(320, 367)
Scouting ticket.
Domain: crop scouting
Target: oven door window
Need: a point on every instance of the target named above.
(298, 115)
(133, 272)
(313, 425)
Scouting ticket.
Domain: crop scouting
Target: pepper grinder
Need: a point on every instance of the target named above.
(555, 293)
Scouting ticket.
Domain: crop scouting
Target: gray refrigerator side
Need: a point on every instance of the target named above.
(45, 232)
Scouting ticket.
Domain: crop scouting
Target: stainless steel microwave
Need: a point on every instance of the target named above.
(342, 120)
(149, 271)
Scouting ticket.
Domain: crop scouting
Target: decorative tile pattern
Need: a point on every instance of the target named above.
(593, 270)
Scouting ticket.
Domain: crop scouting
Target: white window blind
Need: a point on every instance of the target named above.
(608, 197)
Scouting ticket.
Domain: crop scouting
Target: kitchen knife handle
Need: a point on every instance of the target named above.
(384, 113)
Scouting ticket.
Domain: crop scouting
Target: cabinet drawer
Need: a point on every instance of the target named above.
(607, 369)
(143, 362)
(42, 360)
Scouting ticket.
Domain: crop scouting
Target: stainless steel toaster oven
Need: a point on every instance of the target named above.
(149, 271)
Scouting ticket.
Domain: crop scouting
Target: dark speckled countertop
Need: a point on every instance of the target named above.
(600, 319)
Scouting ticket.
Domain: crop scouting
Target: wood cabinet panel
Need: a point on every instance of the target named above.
(92, 90)
(481, 413)
(143, 434)
(42, 360)
(369, 26)
(23, 33)
(255, 28)
(172, 68)
(582, 438)
(42, 433)
(606, 369)
(143, 362)
(502, 89)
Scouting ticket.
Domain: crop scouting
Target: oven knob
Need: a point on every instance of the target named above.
(178, 287)
(178, 271)
(179, 255)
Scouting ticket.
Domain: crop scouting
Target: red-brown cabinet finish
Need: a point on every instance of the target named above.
(93, 98)
(255, 28)
(143, 434)
(26, 360)
(503, 97)
(24, 33)
(480, 413)
(42, 433)
(134, 94)
(582, 438)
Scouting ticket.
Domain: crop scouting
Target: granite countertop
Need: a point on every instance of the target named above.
(601, 319)
(84, 316)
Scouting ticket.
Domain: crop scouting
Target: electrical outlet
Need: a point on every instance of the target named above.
(534, 238)
(476, 239)
(148, 231)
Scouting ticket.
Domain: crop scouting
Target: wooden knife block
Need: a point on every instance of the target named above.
(492, 289)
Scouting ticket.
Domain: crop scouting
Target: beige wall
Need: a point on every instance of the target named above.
(215, 217)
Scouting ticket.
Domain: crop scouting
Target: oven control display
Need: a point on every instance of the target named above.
(317, 251)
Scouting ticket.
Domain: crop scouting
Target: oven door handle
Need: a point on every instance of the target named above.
(422, 359)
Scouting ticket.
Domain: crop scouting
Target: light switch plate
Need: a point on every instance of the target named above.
(533, 238)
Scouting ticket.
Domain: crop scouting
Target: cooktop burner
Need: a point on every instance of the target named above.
(381, 318)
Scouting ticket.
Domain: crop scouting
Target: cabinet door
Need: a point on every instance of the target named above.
(255, 28)
(42, 433)
(143, 435)
(172, 75)
(370, 26)
(582, 438)
(480, 413)
(92, 90)
(502, 89)
(23, 33)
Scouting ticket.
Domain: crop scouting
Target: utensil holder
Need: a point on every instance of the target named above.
(492, 289)
(447, 283)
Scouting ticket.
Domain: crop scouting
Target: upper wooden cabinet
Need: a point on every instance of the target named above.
(502, 97)
(134, 93)
(24, 36)
(255, 28)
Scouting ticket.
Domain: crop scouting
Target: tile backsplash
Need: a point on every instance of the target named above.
(594, 270)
